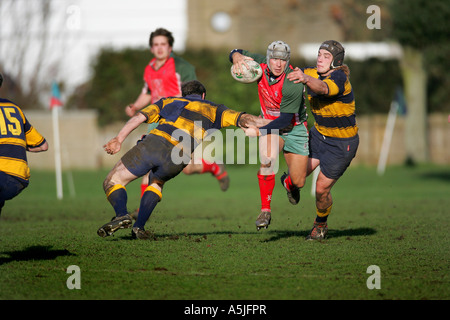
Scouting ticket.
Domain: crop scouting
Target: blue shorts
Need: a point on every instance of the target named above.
(153, 154)
(334, 154)
(9, 188)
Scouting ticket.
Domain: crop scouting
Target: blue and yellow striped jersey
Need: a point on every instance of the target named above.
(335, 112)
(188, 119)
(16, 134)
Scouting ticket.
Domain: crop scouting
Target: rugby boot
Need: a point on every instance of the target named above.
(263, 219)
(318, 232)
(138, 233)
(222, 177)
(115, 224)
(293, 193)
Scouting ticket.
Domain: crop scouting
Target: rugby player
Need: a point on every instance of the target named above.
(182, 125)
(163, 77)
(334, 137)
(17, 136)
(283, 102)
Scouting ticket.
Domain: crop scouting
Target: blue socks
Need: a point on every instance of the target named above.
(149, 200)
(118, 198)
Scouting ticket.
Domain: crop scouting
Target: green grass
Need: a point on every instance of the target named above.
(207, 246)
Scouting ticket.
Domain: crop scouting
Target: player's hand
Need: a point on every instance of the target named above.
(297, 76)
(113, 146)
(251, 131)
(130, 110)
(240, 62)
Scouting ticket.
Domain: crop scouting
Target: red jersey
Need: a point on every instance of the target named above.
(166, 81)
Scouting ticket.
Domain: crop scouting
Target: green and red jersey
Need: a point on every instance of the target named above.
(279, 95)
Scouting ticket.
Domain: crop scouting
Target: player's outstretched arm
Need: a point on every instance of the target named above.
(142, 101)
(247, 120)
(316, 85)
(114, 145)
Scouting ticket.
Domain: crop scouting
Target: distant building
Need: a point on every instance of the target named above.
(253, 24)
(303, 24)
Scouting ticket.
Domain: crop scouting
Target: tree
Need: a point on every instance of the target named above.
(419, 26)
(33, 40)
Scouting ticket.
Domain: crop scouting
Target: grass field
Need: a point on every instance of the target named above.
(207, 247)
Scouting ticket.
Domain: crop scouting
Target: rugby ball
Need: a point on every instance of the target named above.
(248, 75)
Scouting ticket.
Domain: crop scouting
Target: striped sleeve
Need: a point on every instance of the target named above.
(336, 83)
(152, 111)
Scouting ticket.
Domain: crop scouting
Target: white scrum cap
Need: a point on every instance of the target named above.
(279, 50)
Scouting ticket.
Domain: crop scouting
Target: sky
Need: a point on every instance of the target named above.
(111, 23)
(81, 27)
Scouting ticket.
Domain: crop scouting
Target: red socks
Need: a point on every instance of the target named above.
(143, 187)
(288, 183)
(210, 167)
(266, 185)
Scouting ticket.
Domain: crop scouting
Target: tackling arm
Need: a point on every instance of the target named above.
(250, 124)
(248, 120)
(280, 124)
(317, 86)
(142, 100)
(114, 145)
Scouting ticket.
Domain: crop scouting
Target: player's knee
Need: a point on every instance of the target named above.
(322, 193)
(266, 163)
(189, 169)
(107, 184)
(266, 169)
(158, 182)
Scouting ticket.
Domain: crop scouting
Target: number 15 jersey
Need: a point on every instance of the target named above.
(16, 134)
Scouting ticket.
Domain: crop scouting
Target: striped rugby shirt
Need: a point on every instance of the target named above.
(334, 113)
(188, 118)
(16, 134)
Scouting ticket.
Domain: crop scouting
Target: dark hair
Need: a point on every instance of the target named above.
(1, 80)
(192, 87)
(161, 32)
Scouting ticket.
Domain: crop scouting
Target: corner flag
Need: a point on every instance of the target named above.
(55, 100)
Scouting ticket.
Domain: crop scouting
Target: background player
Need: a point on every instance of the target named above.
(17, 136)
(334, 137)
(283, 102)
(155, 153)
(163, 77)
